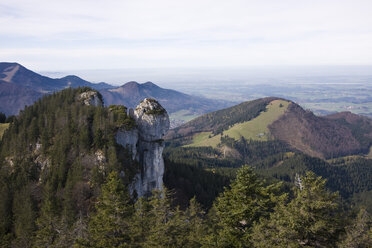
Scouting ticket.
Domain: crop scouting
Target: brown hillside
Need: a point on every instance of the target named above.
(317, 136)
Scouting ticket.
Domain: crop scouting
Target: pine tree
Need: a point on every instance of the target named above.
(47, 222)
(238, 208)
(98, 139)
(167, 224)
(64, 238)
(5, 208)
(80, 232)
(359, 233)
(309, 220)
(5, 213)
(109, 227)
(2, 117)
(140, 223)
(195, 226)
(24, 217)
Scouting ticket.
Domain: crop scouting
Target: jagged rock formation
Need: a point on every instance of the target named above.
(146, 144)
(91, 98)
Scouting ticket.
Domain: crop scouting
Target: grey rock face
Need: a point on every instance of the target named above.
(146, 143)
(152, 120)
(128, 139)
(90, 98)
(151, 160)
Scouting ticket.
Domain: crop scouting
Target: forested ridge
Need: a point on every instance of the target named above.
(64, 182)
(54, 157)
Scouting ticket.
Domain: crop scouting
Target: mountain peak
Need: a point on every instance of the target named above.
(134, 84)
(72, 77)
(130, 84)
(4, 65)
(21, 86)
(150, 84)
(8, 73)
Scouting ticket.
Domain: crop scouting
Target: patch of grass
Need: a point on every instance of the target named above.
(205, 139)
(256, 129)
(3, 127)
(184, 115)
(369, 155)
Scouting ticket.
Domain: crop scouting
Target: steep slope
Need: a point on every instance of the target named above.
(360, 126)
(15, 73)
(61, 149)
(14, 97)
(315, 136)
(323, 137)
(20, 87)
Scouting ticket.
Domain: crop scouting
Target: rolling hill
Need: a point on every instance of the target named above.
(270, 119)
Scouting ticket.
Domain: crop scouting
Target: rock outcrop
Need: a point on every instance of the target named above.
(146, 144)
(91, 98)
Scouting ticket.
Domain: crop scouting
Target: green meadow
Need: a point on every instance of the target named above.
(3, 127)
(256, 129)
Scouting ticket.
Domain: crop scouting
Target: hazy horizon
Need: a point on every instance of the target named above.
(85, 35)
(167, 77)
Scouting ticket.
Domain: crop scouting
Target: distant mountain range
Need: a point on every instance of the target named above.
(130, 94)
(20, 86)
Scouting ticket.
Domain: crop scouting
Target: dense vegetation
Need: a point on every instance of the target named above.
(360, 127)
(249, 213)
(2, 117)
(273, 160)
(64, 182)
(347, 177)
(189, 181)
(53, 159)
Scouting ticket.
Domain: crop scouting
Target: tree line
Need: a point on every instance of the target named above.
(248, 213)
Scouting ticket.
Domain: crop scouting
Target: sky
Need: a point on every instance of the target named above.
(115, 34)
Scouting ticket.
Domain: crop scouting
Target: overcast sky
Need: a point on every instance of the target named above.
(96, 34)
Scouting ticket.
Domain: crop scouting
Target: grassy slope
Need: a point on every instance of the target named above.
(184, 115)
(256, 129)
(3, 127)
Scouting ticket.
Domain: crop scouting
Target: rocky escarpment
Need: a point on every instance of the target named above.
(91, 98)
(145, 141)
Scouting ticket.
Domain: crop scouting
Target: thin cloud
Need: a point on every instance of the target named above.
(162, 33)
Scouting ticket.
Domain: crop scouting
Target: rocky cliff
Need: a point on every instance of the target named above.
(91, 98)
(146, 144)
